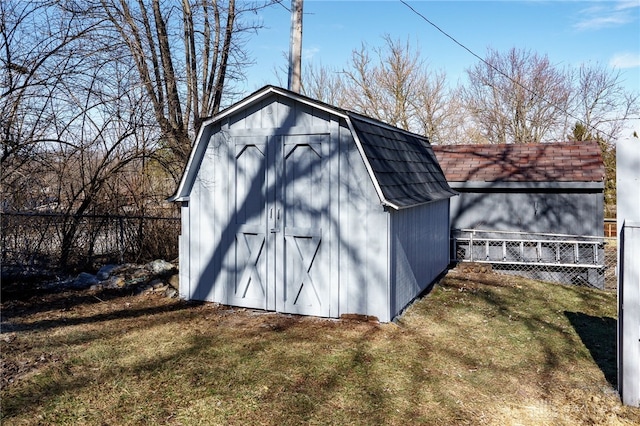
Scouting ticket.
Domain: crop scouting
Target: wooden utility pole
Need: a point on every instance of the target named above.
(295, 47)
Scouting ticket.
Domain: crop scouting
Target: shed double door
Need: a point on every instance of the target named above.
(279, 201)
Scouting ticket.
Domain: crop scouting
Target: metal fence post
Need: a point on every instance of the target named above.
(121, 239)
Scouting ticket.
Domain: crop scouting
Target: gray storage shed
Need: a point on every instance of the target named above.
(296, 206)
(544, 188)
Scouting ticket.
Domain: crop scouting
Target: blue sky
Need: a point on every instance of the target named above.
(568, 32)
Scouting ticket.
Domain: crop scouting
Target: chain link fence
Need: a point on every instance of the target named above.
(37, 241)
(567, 259)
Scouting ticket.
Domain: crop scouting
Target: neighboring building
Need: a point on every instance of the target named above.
(535, 210)
(549, 188)
(296, 206)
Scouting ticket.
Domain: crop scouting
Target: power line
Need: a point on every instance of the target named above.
(287, 9)
(447, 35)
(280, 3)
(499, 71)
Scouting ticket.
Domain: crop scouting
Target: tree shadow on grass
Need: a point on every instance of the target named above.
(64, 301)
(599, 336)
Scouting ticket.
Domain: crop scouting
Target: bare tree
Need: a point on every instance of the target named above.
(393, 84)
(187, 55)
(517, 97)
(36, 45)
(437, 110)
(99, 95)
(601, 108)
(74, 120)
(381, 80)
(601, 104)
(96, 132)
(324, 84)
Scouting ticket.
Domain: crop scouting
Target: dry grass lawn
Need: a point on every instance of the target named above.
(479, 349)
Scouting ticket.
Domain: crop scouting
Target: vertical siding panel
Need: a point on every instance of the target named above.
(599, 209)
(184, 255)
(343, 232)
(320, 118)
(206, 204)
(206, 218)
(220, 215)
(304, 115)
(363, 261)
(196, 240)
(420, 250)
(267, 115)
(334, 214)
(285, 114)
(376, 251)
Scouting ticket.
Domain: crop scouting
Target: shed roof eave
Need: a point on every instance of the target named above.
(178, 199)
(599, 185)
(422, 203)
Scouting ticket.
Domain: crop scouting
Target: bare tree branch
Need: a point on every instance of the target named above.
(517, 97)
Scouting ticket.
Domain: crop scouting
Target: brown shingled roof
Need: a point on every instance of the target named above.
(548, 162)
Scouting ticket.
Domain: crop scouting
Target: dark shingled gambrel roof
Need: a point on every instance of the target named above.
(542, 162)
(404, 164)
